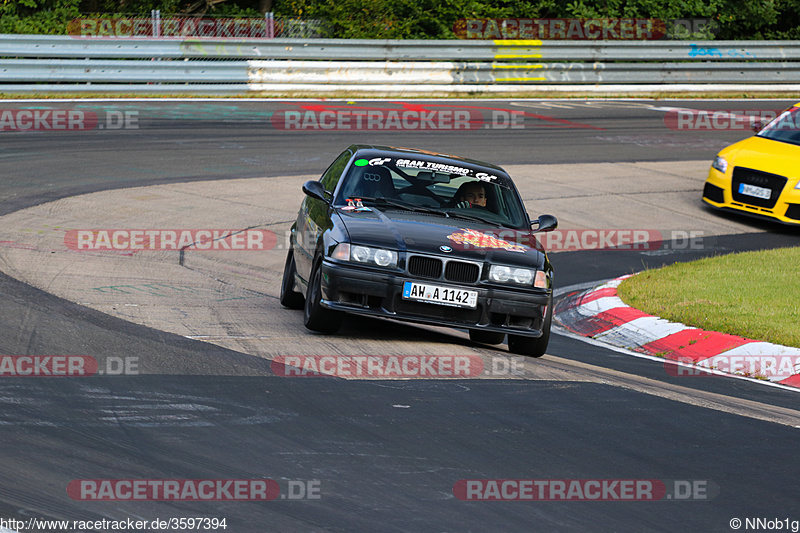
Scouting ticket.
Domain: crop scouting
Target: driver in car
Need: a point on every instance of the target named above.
(473, 194)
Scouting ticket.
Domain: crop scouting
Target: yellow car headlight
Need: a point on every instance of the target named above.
(720, 163)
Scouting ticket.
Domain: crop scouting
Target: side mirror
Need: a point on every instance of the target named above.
(757, 126)
(314, 189)
(546, 223)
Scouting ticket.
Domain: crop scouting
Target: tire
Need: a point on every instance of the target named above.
(486, 337)
(530, 346)
(289, 297)
(317, 318)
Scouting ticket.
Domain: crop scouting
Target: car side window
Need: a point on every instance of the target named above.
(331, 176)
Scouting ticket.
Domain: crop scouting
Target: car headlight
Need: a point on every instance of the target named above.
(520, 276)
(720, 163)
(365, 255)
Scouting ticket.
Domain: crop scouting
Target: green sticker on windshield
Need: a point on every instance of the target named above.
(361, 162)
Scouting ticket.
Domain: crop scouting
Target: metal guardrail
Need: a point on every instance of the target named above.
(373, 73)
(496, 51)
(125, 71)
(396, 50)
(54, 63)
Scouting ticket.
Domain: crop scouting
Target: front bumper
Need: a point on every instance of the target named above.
(718, 193)
(367, 292)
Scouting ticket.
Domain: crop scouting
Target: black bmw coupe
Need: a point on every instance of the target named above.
(421, 237)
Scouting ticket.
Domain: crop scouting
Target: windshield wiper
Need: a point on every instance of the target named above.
(379, 202)
(406, 207)
(474, 218)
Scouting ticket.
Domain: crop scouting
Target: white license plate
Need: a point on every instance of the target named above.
(752, 190)
(436, 294)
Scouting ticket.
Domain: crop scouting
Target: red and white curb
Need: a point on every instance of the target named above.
(687, 351)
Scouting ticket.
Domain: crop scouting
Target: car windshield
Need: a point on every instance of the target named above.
(457, 190)
(785, 127)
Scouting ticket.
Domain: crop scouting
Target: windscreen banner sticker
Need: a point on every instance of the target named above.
(471, 238)
(429, 165)
(374, 162)
(420, 164)
(441, 167)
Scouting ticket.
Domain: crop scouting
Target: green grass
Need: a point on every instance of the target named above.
(752, 294)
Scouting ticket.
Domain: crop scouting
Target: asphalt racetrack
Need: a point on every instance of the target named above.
(200, 398)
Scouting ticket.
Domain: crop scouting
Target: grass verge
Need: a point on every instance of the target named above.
(752, 294)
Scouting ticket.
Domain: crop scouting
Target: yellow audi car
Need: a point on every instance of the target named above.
(761, 175)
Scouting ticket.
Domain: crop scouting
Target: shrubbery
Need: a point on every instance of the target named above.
(427, 19)
(37, 17)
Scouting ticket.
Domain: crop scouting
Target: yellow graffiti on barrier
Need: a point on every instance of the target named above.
(520, 67)
(518, 49)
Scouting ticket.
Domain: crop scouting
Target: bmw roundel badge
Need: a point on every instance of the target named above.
(446, 249)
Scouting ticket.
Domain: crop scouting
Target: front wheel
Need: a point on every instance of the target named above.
(317, 318)
(529, 346)
(289, 297)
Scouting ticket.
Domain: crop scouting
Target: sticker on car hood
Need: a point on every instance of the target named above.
(473, 238)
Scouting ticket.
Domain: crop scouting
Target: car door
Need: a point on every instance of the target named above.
(314, 217)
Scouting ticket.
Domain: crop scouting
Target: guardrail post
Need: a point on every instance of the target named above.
(270, 25)
(155, 17)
